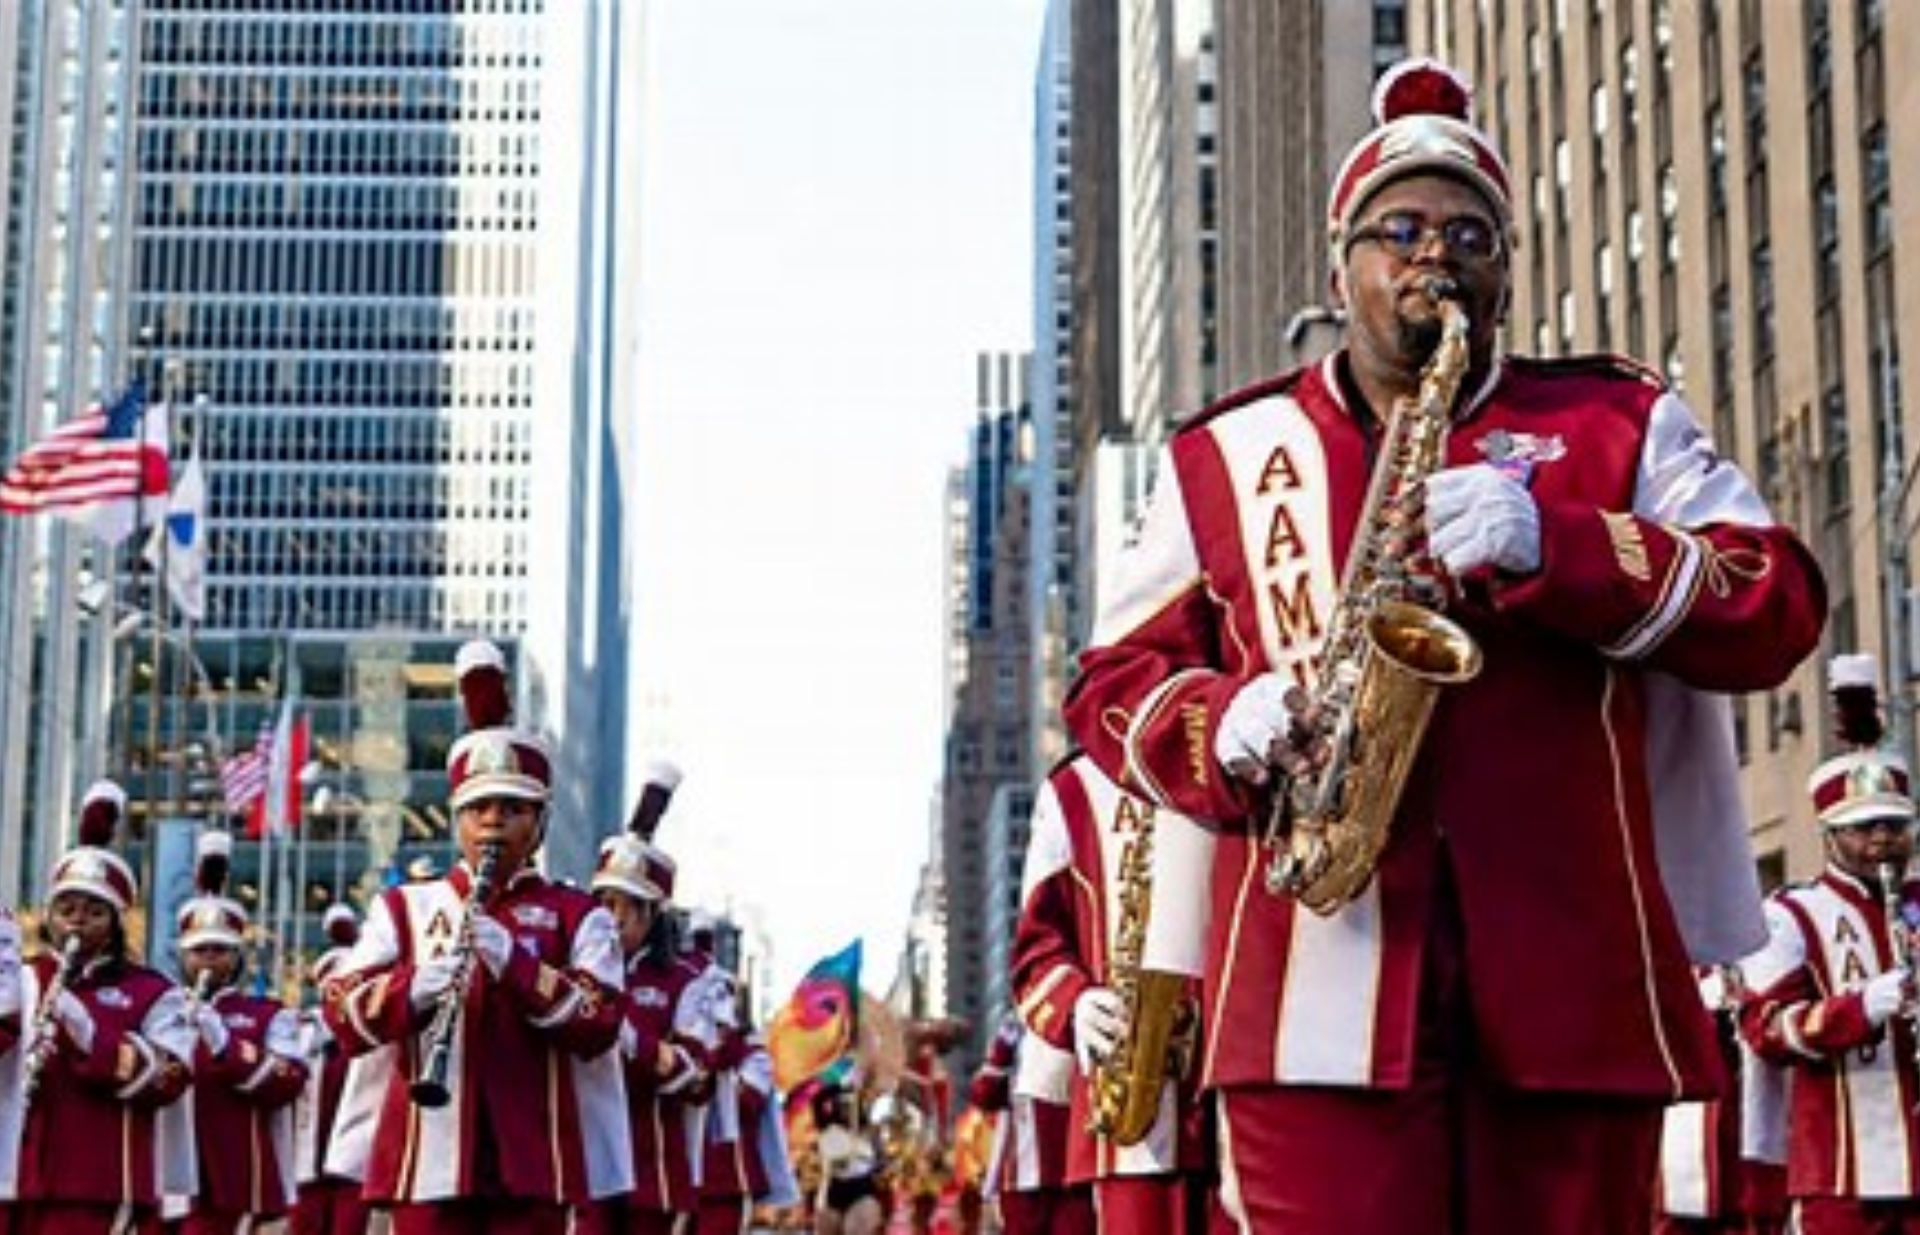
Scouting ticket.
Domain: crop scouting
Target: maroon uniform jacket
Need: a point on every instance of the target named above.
(660, 1109)
(732, 1167)
(92, 1131)
(538, 1109)
(1851, 1129)
(1029, 1134)
(242, 1116)
(1081, 823)
(1539, 784)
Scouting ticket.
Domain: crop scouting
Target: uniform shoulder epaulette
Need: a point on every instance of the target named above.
(1241, 397)
(1590, 364)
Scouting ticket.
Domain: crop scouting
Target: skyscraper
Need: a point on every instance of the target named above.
(385, 253)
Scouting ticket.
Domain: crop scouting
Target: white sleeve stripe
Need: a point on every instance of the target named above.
(149, 1068)
(1790, 1033)
(560, 1011)
(1683, 584)
(259, 1075)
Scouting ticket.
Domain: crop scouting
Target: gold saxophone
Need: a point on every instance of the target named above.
(1160, 1019)
(1387, 654)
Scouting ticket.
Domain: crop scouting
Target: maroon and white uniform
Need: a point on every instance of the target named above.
(1083, 829)
(1851, 1123)
(1701, 1186)
(1027, 1085)
(753, 1164)
(242, 1101)
(329, 1200)
(539, 1112)
(662, 1110)
(104, 1127)
(1573, 809)
(1659, 563)
(741, 1127)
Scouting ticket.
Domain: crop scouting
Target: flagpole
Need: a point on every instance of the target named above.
(155, 595)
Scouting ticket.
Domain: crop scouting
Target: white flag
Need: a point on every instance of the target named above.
(185, 529)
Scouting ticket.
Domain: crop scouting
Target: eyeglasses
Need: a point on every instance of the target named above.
(1404, 233)
(1892, 823)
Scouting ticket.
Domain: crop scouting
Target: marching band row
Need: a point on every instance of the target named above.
(490, 1050)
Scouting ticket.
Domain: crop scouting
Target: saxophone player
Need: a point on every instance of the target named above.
(504, 1109)
(1830, 998)
(1573, 808)
(1089, 933)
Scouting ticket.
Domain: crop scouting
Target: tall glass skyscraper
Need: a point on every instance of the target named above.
(383, 245)
(381, 253)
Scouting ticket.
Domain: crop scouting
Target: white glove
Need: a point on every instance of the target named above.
(494, 943)
(431, 978)
(213, 1030)
(75, 1019)
(1098, 1021)
(1885, 995)
(1480, 516)
(1257, 728)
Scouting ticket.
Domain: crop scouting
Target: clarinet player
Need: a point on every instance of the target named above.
(1417, 1029)
(1831, 996)
(92, 1134)
(505, 1109)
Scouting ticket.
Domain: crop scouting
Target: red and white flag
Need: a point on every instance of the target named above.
(107, 468)
(277, 812)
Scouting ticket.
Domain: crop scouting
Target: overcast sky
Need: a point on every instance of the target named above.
(836, 220)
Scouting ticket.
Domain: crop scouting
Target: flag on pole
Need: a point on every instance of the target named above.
(820, 1022)
(277, 811)
(180, 542)
(243, 778)
(106, 469)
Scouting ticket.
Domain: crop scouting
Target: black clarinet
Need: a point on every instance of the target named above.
(429, 1089)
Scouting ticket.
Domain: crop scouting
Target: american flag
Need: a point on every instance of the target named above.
(243, 778)
(109, 454)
